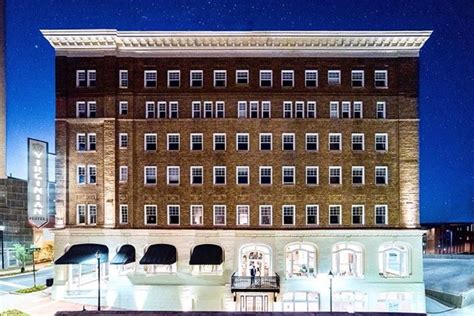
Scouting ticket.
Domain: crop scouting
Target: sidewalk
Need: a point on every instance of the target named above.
(28, 269)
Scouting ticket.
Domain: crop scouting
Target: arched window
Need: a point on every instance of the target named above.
(347, 260)
(393, 260)
(300, 260)
(257, 255)
(300, 302)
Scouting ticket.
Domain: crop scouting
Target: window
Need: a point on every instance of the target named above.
(242, 141)
(91, 109)
(150, 142)
(208, 111)
(357, 214)
(123, 174)
(300, 302)
(243, 215)
(81, 143)
(219, 214)
(300, 261)
(81, 174)
(242, 175)
(81, 214)
(357, 175)
(299, 109)
(381, 142)
(265, 141)
(81, 80)
(312, 215)
(311, 109)
(219, 175)
(196, 142)
(381, 175)
(150, 78)
(91, 174)
(242, 109)
(220, 78)
(173, 141)
(81, 110)
(265, 215)
(151, 215)
(161, 109)
(288, 175)
(123, 79)
(287, 109)
(254, 109)
(92, 214)
(266, 78)
(393, 260)
(266, 109)
(334, 77)
(288, 141)
(287, 78)
(347, 260)
(265, 175)
(172, 175)
(220, 109)
(335, 141)
(335, 175)
(123, 107)
(196, 109)
(91, 78)
(219, 141)
(242, 77)
(197, 175)
(150, 175)
(123, 214)
(174, 110)
(288, 214)
(197, 215)
(357, 108)
(311, 78)
(312, 141)
(196, 78)
(174, 77)
(357, 77)
(381, 110)
(150, 110)
(123, 140)
(312, 177)
(357, 142)
(335, 215)
(346, 110)
(334, 109)
(381, 215)
(173, 214)
(381, 80)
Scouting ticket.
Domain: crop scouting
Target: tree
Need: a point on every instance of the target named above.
(21, 254)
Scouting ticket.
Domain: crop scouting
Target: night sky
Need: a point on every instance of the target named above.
(446, 68)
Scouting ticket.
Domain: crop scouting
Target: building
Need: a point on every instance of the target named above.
(235, 170)
(455, 237)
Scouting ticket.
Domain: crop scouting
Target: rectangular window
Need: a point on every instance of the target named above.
(358, 175)
(358, 142)
(299, 109)
(288, 141)
(172, 175)
(81, 110)
(150, 78)
(334, 109)
(381, 214)
(91, 174)
(266, 109)
(266, 78)
(242, 175)
(335, 141)
(123, 140)
(92, 214)
(196, 109)
(381, 175)
(196, 142)
(81, 78)
(174, 78)
(242, 141)
(91, 142)
(151, 215)
(173, 141)
(81, 174)
(91, 78)
(197, 175)
(357, 78)
(265, 175)
(243, 215)
(312, 143)
(220, 109)
(346, 109)
(335, 215)
(81, 214)
(381, 142)
(150, 142)
(219, 214)
(287, 78)
(123, 174)
(254, 109)
(311, 109)
(357, 214)
(381, 111)
(81, 143)
(265, 215)
(357, 108)
(91, 109)
(312, 175)
(311, 78)
(174, 110)
(123, 214)
(287, 109)
(242, 109)
(312, 216)
(196, 79)
(334, 77)
(220, 78)
(288, 214)
(197, 214)
(150, 174)
(219, 141)
(161, 109)
(123, 79)
(381, 78)
(335, 175)
(123, 107)
(242, 77)
(220, 175)
(288, 175)
(173, 214)
(150, 110)
(208, 111)
(265, 141)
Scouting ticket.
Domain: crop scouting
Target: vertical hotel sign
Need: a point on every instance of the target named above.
(37, 182)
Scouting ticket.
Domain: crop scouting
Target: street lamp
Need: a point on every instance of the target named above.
(2, 228)
(97, 255)
(330, 276)
(33, 248)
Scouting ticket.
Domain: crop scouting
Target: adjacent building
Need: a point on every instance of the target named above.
(239, 171)
(454, 237)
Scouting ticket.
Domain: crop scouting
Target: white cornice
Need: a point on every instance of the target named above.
(251, 44)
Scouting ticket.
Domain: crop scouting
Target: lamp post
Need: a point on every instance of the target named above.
(2, 228)
(331, 276)
(33, 248)
(97, 255)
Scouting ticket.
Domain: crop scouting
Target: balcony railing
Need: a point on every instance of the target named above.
(255, 284)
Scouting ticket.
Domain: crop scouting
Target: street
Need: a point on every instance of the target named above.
(25, 280)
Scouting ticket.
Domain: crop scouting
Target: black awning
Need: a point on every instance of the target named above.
(84, 252)
(125, 255)
(207, 254)
(159, 254)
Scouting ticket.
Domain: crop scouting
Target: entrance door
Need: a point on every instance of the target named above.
(253, 303)
(255, 255)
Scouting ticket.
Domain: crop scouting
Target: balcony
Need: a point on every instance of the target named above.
(258, 284)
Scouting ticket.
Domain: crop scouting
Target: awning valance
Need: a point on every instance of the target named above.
(207, 254)
(81, 253)
(125, 255)
(159, 254)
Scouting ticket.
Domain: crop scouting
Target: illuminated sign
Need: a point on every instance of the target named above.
(37, 182)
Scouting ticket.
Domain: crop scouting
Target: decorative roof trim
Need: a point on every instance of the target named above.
(259, 43)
